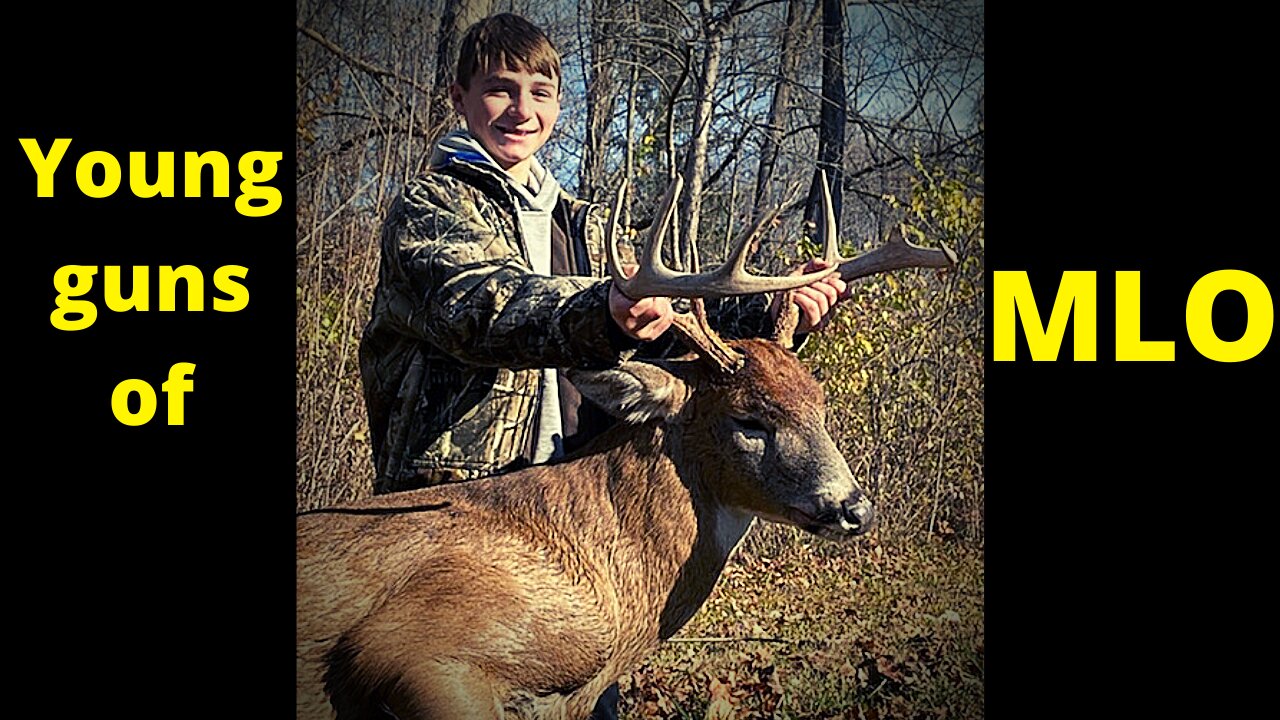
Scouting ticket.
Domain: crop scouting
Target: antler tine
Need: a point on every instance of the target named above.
(737, 260)
(830, 236)
(732, 278)
(652, 259)
(611, 237)
(654, 279)
(611, 241)
(649, 278)
(895, 254)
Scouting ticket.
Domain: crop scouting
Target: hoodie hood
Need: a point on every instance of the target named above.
(460, 146)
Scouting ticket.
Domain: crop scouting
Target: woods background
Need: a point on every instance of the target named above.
(745, 99)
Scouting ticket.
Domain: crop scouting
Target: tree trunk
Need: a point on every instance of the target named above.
(598, 75)
(458, 15)
(629, 172)
(696, 161)
(834, 108)
(787, 65)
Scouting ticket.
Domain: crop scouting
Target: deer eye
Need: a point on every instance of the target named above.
(750, 424)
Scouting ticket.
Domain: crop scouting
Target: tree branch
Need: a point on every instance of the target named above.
(357, 62)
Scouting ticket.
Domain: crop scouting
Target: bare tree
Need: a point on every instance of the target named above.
(600, 72)
(797, 23)
(458, 15)
(834, 109)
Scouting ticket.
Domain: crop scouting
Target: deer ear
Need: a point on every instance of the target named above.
(636, 392)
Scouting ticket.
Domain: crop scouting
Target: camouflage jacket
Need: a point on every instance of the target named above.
(461, 326)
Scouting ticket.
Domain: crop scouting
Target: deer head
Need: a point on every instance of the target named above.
(754, 438)
(750, 417)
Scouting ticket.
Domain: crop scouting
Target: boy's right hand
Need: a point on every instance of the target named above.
(644, 319)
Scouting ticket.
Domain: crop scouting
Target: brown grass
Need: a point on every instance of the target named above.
(801, 628)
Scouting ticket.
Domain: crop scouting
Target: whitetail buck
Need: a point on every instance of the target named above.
(528, 594)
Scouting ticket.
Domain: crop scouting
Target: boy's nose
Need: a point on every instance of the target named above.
(520, 107)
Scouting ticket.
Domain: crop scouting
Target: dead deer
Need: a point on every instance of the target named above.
(527, 594)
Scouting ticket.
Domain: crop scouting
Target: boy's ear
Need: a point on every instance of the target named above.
(455, 95)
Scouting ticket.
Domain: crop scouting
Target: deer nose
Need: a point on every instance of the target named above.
(857, 517)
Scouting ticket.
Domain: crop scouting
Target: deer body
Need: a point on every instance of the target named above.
(527, 594)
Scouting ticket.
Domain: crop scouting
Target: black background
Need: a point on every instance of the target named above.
(1130, 504)
(154, 564)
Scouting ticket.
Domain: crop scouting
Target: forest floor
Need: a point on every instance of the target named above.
(803, 628)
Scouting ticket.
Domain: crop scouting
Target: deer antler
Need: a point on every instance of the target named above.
(895, 254)
(655, 279)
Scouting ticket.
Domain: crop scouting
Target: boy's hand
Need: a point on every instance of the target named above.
(818, 299)
(644, 319)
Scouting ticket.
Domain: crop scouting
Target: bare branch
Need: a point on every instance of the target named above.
(358, 63)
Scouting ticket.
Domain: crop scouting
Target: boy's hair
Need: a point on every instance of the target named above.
(506, 41)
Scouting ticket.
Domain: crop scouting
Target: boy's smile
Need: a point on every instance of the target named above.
(511, 113)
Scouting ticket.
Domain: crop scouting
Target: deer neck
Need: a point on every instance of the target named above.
(673, 535)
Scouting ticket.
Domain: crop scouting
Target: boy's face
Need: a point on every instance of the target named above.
(510, 112)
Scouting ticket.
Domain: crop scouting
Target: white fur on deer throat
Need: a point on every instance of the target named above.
(731, 528)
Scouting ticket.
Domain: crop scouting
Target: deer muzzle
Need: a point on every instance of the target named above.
(835, 520)
(857, 517)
